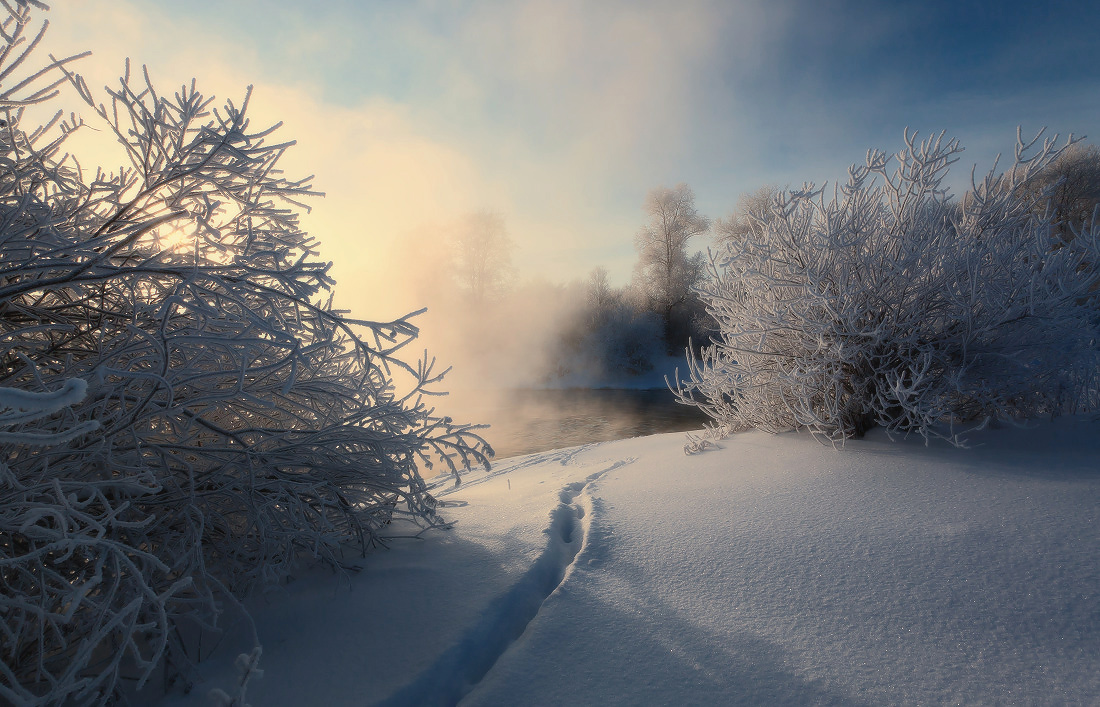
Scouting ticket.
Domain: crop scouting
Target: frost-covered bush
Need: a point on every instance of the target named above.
(243, 425)
(1072, 183)
(889, 304)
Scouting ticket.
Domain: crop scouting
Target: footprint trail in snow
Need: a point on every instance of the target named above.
(459, 669)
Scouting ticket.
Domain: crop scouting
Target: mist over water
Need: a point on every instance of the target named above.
(545, 364)
(524, 421)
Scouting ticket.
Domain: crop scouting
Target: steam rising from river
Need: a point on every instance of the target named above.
(518, 358)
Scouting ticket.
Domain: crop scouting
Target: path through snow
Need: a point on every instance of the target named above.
(773, 570)
(461, 666)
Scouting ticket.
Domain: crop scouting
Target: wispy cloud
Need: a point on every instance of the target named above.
(561, 114)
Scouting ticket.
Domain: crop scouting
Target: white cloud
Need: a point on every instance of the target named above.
(380, 174)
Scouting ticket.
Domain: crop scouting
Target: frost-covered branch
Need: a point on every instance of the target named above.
(243, 424)
(888, 304)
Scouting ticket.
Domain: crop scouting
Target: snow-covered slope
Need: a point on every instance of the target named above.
(773, 570)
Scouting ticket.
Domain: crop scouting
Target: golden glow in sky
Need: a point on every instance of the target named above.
(560, 115)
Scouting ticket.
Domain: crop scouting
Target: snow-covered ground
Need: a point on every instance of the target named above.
(774, 570)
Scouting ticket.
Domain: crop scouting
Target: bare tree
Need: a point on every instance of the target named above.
(665, 273)
(483, 253)
(752, 211)
(599, 293)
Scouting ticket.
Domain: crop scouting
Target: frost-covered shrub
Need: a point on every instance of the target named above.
(888, 304)
(77, 589)
(1072, 183)
(243, 424)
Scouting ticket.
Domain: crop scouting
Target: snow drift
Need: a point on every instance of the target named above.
(774, 570)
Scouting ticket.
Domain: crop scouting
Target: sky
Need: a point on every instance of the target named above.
(562, 114)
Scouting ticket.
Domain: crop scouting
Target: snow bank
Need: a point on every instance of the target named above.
(772, 570)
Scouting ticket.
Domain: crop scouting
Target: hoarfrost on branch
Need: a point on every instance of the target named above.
(217, 421)
(889, 304)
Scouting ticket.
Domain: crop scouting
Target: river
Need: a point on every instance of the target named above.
(525, 420)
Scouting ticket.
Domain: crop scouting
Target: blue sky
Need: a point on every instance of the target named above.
(561, 114)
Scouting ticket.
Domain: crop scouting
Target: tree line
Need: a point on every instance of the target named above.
(588, 331)
(600, 333)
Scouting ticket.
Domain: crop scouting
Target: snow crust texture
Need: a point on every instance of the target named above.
(773, 570)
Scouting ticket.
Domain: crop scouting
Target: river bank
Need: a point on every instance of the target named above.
(525, 421)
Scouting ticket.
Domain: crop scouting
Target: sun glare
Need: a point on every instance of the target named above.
(174, 238)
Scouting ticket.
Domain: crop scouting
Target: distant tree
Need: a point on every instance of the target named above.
(666, 273)
(599, 293)
(483, 255)
(185, 417)
(752, 210)
(889, 305)
(615, 336)
(1071, 184)
(622, 334)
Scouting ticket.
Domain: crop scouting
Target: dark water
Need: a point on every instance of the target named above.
(526, 421)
